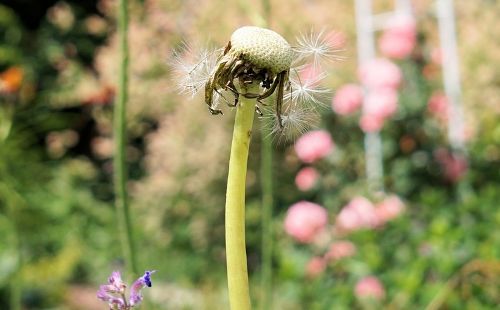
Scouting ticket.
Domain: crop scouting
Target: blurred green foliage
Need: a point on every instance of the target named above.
(57, 225)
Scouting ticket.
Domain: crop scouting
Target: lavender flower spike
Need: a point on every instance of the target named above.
(116, 284)
(135, 290)
(114, 292)
(114, 302)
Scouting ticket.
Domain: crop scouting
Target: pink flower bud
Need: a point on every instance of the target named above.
(371, 123)
(369, 287)
(454, 165)
(358, 214)
(306, 178)
(348, 99)
(380, 73)
(400, 38)
(437, 56)
(438, 106)
(390, 208)
(381, 103)
(311, 75)
(315, 267)
(305, 220)
(339, 250)
(314, 145)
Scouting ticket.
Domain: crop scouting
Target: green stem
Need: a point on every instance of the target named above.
(6, 114)
(16, 282)
(119, 164)
(14, 202)
(237, 275)
(266, 174)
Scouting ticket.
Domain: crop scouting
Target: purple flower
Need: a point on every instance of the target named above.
(135, 290)
(114, 292)
(115, 284)
(113, 301)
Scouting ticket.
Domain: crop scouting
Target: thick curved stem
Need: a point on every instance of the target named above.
(237, 275)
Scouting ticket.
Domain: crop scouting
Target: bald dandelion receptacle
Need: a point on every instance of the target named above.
(252, 55)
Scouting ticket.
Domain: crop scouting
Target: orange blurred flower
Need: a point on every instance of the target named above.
(10, 80)
(103, 96)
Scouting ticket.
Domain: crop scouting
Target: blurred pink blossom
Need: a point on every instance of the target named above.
(454, 165)
(381, 102)
(315, 266)
(437, 56)
(340, 249)
(311, 75)
(380, 73)
(305, 220)
(369, 287)
(404, 24)
(390, 208)
(306, 178)
(400, 37)
(438, 106)
(314, 145)
(336, 40)
(371, 123)
(348, 99)
(357, 214)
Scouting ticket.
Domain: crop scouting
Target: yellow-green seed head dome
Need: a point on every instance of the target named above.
(264, 48)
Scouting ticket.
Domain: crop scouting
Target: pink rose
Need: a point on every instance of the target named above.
(369, 287)
(306, 178)
(357, 214)
(381, 102)
(335, 40)
(371, 123)
(348, 99)
(314, 145)
(438, 106)
(305, 220)
(380, 73)
(400, 38)
(340, 249)
(315, 267)
(390, 208)
(454, 165)
(310, 75)
(437, 56)
(395, 46)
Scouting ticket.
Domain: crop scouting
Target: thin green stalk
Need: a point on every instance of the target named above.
(14, 202)
(119, 164)
(237, 275)
(15, 285)
(266, 174)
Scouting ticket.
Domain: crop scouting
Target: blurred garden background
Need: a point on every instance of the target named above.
(421, 232)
